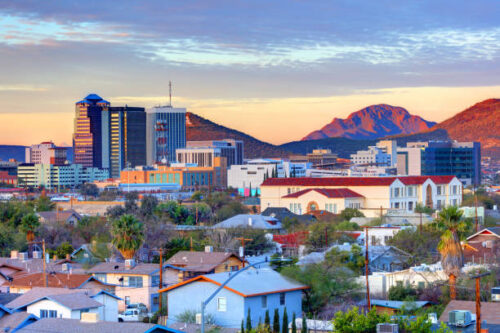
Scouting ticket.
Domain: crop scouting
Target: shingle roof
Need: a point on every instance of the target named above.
(199, 261)
(396, 304)
(54, 216)
(61, 325)
(37, 293)
(354, 181)
(490, 311)
(58, 280)
(10, 322)
(252, 282)
(249, 221)
(327, 192)
(36, 265)
(75, 301)
(119, 267)
(6, 298)
(281, 213)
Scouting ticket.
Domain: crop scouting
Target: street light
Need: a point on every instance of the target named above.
(232, 276)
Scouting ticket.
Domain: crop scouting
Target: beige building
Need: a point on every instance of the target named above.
(369, 194)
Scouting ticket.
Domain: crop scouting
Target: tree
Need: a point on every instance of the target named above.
(294, 325)
(267, 320)
(348, 213)
(303, 329)
(450, 221)
(89, 189)
(242, 328)
(421, 244)
(148, 205)
(29, 224)
(63, 250)
(43, 204)
(284, 327)
(128, 235)
(276, 321)
(399, 292)
(249, 321)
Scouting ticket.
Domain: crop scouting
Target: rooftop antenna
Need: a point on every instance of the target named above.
(170, 93)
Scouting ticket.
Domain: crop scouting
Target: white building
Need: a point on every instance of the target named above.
(45, 153)
(409, 161)
(380, 235)
(54, 176)
(252, 174)
(383, 154)
(372, 193)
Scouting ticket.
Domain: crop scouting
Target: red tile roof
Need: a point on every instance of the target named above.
(355, 181)
(327, 192)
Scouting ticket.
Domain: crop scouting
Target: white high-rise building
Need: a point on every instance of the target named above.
(45, 153)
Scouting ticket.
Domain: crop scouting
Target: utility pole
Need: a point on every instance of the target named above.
(243, 239)
(478, 299)
(367, 270)
(44, 265)
(160, 285)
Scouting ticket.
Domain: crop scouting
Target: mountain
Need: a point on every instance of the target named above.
(480, 122)
(373, 122)
(199, 128)
(344, 147)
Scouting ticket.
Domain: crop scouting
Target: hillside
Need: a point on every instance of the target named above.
(345, 147)
(199, 128)
(372, 122)
(480, 122)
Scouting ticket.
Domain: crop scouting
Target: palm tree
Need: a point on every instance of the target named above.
(29, 223)
(128, 235)
(450, 221)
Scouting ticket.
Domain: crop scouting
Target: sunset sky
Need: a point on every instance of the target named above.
(274, 69)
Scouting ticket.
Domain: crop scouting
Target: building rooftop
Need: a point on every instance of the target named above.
(397, 304)
(249, 221)
(490, 311)
(252, 282)
(55, 216)
(10, 322)
(39, 292)
(327, 192)
(199, 261)
(57, 280)
(119, 268)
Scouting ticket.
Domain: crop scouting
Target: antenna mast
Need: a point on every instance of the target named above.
(170, 93)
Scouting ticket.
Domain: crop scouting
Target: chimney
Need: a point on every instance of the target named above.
(209, 248)
(129, 263)
(90, 317)
(37, 255)
(68, 256)
(14, 254)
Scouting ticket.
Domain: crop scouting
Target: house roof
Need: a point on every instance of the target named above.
(281, 213)
(199, 261)
(243, 221)
(327, 192)
(58, 280)
(119, 267)
(6, 298)
(397, 304)
(39, 292)
(489, 310)
(61, 325)
(10, 322)
(75, 301)
(493, 231)
(252, 282)
(29, 266)
(54, 216)
(354, 181)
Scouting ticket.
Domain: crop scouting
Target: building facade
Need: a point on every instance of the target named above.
(165, 133)
(375, 193)
(58, 176)
(45, 153)
(319, 158)
(231, 149)
(409, 161)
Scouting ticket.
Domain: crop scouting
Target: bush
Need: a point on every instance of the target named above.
(402, 293)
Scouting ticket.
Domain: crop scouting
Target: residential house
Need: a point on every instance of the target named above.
(291, 244)
(69, 217)
(489, 310)
(249, 221)
(134, 282)
(90, 323)
(368, 194)
(483, 246)
(380, 235)
(187, 264)
(96, 252)
(314, 325)
(282, 213)
(11, 322)
(257, 290)
(393, 307)
(23, 283)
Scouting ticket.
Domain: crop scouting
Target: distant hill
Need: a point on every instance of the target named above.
(345, 147)
(199, 128)
(480, 122)
(372, 122)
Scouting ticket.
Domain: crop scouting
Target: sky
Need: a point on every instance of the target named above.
(276, 70)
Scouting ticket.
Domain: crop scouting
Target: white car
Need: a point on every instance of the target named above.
(131, 315)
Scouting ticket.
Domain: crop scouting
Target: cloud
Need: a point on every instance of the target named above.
(21, 87)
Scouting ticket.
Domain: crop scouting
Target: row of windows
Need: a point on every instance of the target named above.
(222, 302)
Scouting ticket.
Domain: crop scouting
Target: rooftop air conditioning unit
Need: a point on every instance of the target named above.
(387, 328)
(23, 255)
(129, 263)
(495, 294)
(37, 255)
(460, 318)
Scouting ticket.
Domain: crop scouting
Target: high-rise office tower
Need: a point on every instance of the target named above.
(165, 132)
(87, 137)
(124, 138)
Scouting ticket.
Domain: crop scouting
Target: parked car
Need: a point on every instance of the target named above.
(139, 306)
(131, 315)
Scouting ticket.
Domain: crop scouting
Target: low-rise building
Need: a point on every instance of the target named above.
(249, 221)
(70, 217)
(483, 246)
(254, 291)
(373, 194)
(318, 158)
(58, 176)
(6, 179)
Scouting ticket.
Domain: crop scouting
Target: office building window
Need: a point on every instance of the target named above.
(264, 301)
(221, 304)
(282, 298)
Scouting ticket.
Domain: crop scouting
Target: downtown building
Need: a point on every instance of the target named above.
(45, 153)
(165, 133)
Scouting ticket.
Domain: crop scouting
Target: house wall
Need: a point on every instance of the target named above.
(226, 266)
(109, 310)
(190, 296)
(62, 312)
(293, 303)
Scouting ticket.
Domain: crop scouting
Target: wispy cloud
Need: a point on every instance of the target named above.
(21, 87)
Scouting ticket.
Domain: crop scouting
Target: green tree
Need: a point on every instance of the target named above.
(399, 292)
(128, 235)
(43, 204)
(276, 321)
(421, 244)
(148, 206)
(242, 328)
(419, 208)
(89, 189)
(267, 320)
(284, 327)
(294, 325)
(348, 213)
(249, 321)
(303, 329)
(29, 224)
(451, 222)
(63, 250)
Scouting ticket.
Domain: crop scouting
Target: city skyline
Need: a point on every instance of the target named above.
(248, 66)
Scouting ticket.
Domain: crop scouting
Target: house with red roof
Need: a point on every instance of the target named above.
(369, 194)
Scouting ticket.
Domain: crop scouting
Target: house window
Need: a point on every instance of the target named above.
(221, 304)
(282, 298)
(133, 281)
(44, 313)
(100, 277)
(410, 191)
(156, 280)
(127, 300)
(234, 268)
(410, 205)
(421, 285)
(439, 191)
(454, 189)
(264, 301)
(156, 300)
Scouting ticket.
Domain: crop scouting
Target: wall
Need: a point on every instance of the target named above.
(62, 312)
(109, 310)
(293, 303)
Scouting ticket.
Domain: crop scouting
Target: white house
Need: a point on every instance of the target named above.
(375, 194)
